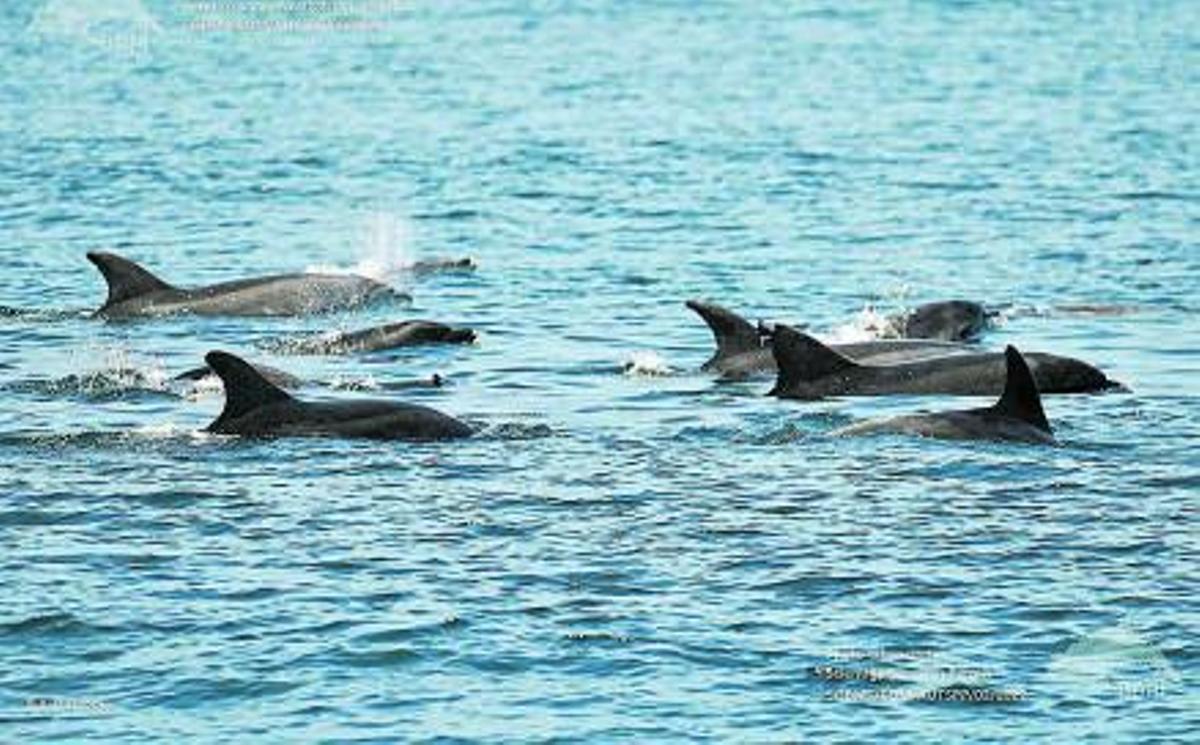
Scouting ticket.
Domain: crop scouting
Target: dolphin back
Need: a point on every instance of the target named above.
(802, 359)
(245, 388)
(126, 280)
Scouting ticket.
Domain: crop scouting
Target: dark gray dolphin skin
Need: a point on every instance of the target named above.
(951, 320)
(809, 369)
(134, 291)
(256, 408)
(434, 266)
(388, 336)
(1016, 417)
(742, 350)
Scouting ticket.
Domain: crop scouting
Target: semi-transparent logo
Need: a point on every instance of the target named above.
(1114, 662)
(122, 27)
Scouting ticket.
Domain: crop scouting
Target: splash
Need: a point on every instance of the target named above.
(300, 344)
(351, 383)
(646, 363)
(869, 324)
(383, 246)
(149, 373)
(118, 374)
(42, 315)
(210, 386)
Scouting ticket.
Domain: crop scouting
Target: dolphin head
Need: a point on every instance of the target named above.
(1069, 375)
(953, 320)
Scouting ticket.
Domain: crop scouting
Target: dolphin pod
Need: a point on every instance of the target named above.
(1017, 417)
(254, 407)
(809, 369)
(134, 291)
(934, 362)
(742, 350)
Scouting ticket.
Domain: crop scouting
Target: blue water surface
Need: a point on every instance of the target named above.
(626, 551)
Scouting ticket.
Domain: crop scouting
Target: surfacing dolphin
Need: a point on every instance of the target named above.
(1016, 417)
(742, 350)
(949, 320)
(388, 336)
(809, 369)
(256, 408)
(134, 291)
(437, 266)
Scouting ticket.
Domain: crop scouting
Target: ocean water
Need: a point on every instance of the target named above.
(629, 549)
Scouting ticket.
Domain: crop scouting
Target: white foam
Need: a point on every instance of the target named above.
(121, 369)
(869, 324)
(648, 363)
(349, 383)
(210, 386)
(160, 431)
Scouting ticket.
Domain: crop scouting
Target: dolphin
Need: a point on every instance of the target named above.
(388, 336)
(950, 320)
(809, 369)
(1016, 417)
(742, 352)
(134, 291)
(435, 266)
(254, 407)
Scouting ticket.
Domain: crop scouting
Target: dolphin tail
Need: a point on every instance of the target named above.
(734, 334)
(245, 388)
(126, 280)
(1021, 399)
(801, 359)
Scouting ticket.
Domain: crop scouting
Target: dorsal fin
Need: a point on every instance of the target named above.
(1021, 399)
(802, 359)
(734, 334)
(245, 388)
(126, 280)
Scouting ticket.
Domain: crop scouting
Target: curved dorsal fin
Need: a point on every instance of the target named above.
(803, 359)
(1020, 399)
(126, 280)
(245, 388)
(734, 334)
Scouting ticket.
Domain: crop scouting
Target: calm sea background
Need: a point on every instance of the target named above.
(621, 554)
